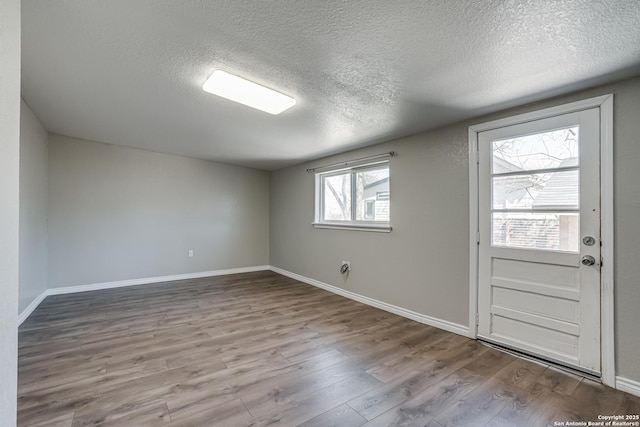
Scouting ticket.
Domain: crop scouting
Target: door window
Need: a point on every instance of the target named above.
(535, 191)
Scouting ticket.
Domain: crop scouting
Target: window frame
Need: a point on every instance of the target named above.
(353, 224)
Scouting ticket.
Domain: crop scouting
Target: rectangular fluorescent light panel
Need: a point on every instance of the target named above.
(248, 93)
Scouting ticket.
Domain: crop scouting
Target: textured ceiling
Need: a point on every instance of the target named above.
(130, 72)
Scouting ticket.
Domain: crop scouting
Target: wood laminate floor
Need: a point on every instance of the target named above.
(260, 349)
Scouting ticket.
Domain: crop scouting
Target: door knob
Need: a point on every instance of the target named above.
(588, 260)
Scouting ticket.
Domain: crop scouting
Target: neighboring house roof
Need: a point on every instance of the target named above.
(561, 191)
(373, 184)
(371, 190)
(500, 165)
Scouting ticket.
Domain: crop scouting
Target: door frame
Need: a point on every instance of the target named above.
(607, 331)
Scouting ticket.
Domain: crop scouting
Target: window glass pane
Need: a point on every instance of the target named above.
(559, 231)
(372, 195)
(369, 209)
(547, 150)
(556, 190)
(356, 195)
(336, 193)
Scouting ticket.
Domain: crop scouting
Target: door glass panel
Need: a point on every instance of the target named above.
(547, 150)
(536, 230)
(554, 154)
(553, 190)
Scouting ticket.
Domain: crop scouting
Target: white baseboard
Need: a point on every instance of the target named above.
(31, 307)
(627, 385)
(149, 280)
(132, 282)
(409, 314)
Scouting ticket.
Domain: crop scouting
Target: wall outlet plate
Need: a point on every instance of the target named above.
(344, 270)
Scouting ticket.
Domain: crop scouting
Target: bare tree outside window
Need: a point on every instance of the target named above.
(344, 192)
(339, 187)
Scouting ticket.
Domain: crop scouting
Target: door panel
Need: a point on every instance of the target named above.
(550, 306)
(538, 197)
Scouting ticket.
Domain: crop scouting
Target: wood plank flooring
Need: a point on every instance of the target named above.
(260, 349)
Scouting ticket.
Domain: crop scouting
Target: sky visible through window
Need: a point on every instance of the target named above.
(552, 149)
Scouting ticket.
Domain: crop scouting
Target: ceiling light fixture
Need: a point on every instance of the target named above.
(248, 93)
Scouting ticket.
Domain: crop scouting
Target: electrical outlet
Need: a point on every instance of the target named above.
(344, 270)
(190, 253)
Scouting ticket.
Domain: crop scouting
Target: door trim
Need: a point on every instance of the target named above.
(605, 103)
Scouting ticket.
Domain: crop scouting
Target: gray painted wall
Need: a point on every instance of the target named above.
(627, 230)
(33, 207)
(9, 205)
(422, 265)
(118, 213)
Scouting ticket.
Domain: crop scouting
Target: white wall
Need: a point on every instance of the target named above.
(423, 264)
(118, 213)
(9, 204)
(33, 208)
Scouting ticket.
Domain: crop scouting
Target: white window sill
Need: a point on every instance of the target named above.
(378, 228)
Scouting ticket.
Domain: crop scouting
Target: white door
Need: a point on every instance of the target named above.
(539, 251)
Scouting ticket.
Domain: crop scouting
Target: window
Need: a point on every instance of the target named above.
(354, 198)
(535, 189)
